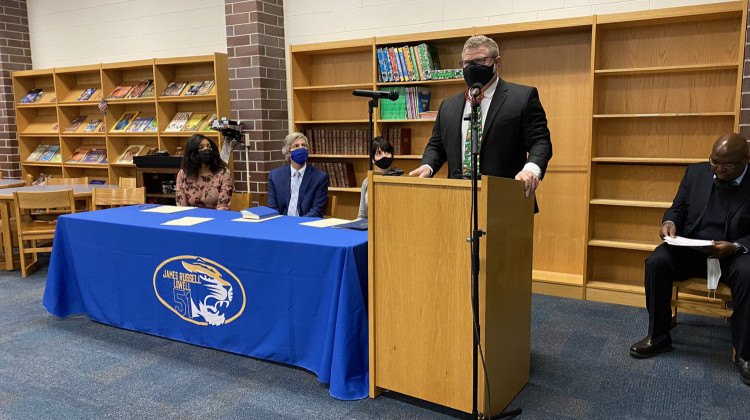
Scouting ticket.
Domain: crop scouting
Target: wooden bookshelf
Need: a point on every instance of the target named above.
(45, 122)
(631, 99)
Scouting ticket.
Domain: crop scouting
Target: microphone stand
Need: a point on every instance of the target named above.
(476, 234)
(372, 104)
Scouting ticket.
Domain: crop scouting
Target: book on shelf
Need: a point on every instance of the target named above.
(53, 99)
(79, 155)
(152, 126)
(92, 125)
(340, 174)
(151, 151)
(400, 138)
(120, 91)
(174, 89)
(205, 87)
(179, 121)
(49, 153)
(130, 151)
(54, 127)
(194, 122)
(95, 156)
(74, 124)
(139, 124)
(259, 213)
(149, 92)
(37, 153)
(178, 151)
(139, 89)
(57, 157)
(209, 122)
(41, 179)
(86, 95)
(102, 127)
(122, 124)
(33, 96)
(193, 88)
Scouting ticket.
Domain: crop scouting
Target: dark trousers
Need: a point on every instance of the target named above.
(668, 264)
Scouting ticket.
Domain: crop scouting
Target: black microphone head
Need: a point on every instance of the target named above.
(393, 95)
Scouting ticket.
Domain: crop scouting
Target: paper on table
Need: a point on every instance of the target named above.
(187, 221)
(325, 222)
(242, 219)
(167, 209)
(681, 241)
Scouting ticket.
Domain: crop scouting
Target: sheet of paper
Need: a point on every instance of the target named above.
(325, 222)
(187, 221)
(681, 241)
(242, 219)
(167, 209)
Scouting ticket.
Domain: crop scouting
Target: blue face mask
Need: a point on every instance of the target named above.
(299, 156)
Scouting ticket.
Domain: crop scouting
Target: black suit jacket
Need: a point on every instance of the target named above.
(691, 201)
(515, 132)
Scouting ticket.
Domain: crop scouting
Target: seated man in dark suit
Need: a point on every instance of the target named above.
(297, 189)
(711, 203)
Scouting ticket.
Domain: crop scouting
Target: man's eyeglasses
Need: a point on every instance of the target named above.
(481, 61)
(728, 166)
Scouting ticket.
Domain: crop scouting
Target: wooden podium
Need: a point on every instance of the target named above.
(420, 289)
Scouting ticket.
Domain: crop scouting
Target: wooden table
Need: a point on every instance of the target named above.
(6, 199)
(11, 182)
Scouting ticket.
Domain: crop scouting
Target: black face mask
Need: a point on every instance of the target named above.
(478, 74)
(384, 163)
(205, 156)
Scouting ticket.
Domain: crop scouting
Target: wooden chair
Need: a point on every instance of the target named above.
(330, 208)
(692, 295)
(30, 230)
(128, 183)
(68, 181)
(240, 201)
(117, 197)
(29, 180)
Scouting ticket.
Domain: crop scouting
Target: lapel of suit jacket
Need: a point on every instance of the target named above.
(743, 192)
(454, 141)
(303, 186)
(501, 93)
(703, 192)
(286, 186)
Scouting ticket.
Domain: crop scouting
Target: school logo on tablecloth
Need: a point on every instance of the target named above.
(199, 290)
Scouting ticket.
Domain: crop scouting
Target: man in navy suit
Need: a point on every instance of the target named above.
(515, 141)
(712, 203)
(297, 189)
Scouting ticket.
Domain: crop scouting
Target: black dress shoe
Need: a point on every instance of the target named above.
(650, 347)
(744, 367)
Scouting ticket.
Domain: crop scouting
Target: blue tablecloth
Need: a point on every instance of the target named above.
(273, 290)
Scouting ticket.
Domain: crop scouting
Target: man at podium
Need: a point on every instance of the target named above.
(514, 138)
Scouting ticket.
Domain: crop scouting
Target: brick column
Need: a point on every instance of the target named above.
(15, 54)
(257, 82)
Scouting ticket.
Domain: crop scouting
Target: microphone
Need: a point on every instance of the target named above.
(392, 95)
(475, 94)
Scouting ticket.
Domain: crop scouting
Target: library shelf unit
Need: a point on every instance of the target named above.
(631, 99)
(45, 122)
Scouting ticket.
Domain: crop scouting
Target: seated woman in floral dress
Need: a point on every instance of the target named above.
(204, 180)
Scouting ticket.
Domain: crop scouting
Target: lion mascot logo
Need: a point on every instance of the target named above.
(202, 291)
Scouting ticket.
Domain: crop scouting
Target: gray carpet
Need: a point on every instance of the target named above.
(580, 368)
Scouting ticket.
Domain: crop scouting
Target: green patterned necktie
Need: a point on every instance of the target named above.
(467, 144)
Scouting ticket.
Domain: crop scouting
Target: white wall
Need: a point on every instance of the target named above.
(308, 21)
(77, 32)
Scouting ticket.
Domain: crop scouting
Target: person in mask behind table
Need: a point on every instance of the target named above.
(514, 138)
(204, 180)
(297, 189)
(382, 158)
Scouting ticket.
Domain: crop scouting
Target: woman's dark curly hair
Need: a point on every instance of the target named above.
(190, 163)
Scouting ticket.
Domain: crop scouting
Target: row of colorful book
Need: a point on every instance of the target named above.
(85, 124)
(407, 63)
(340, 174)
(131, 122)
(145, 89)
(412, 103)
(35, 96)
(355, 142)
(45, 153)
